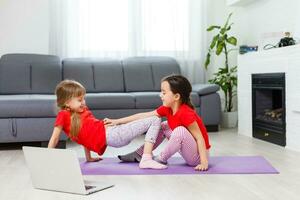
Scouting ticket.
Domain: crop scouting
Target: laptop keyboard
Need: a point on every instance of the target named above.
(88, 187)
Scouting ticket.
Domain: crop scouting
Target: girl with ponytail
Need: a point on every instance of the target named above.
(80, 125)
(184, 128)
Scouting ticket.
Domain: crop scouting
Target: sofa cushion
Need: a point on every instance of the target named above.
(29, 74)
(24, 57)
(145, 100)
(138, 76)
(27, 106)
(145, 73)
(96, 75)
(45, 105)
(10, 82)
(110, 101)
(161, 67)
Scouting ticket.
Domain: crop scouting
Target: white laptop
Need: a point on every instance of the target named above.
(58, 170)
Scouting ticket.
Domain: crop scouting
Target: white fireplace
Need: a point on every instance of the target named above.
(280, 60)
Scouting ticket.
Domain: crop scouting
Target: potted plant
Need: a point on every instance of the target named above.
(226, 76)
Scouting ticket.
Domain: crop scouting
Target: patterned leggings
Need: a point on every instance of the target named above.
(122, 135)
(179, 140)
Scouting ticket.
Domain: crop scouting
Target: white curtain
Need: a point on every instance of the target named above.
(124, 28)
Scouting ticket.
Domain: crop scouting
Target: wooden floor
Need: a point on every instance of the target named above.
(15, 182)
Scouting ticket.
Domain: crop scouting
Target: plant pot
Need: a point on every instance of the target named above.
(229, 119)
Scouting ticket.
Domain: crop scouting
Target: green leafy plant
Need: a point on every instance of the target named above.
(226, 76)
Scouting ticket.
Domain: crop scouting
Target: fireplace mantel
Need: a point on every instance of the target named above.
(280, 60)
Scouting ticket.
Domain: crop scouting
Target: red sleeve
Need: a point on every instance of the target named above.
(162, 111)
(187, 118)
(60, 119)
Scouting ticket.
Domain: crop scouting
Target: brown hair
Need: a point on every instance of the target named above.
(181, 85)
(65, 91)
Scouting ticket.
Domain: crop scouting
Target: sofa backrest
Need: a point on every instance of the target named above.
(96, 75)
(108, 75)
(145, 73)
(29, 73)
(39, 74)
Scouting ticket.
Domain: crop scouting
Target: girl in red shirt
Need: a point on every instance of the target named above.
(184, 129)
(79, 124)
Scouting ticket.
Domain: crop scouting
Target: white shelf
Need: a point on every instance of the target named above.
(239, 2)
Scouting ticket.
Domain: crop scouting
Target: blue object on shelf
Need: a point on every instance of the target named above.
(245, 49)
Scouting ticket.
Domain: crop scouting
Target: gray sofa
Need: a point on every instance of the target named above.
(115, 88)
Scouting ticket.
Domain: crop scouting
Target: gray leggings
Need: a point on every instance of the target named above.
(122, 135)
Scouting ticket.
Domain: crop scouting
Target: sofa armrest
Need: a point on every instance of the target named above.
(204, 89)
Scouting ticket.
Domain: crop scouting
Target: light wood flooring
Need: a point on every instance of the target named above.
(15, 182)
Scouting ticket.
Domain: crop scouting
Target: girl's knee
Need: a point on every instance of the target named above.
(179, 133)
(156, 120)
(179, 130)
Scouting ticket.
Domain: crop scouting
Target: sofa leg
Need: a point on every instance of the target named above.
(212, 128)
(60, 145)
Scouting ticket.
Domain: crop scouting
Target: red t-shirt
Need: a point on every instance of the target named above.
(183, 117)
(92, 131)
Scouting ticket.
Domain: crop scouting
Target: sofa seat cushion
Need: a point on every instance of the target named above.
(145, 100)
(110, 101)
(152, 100)
(27, 106)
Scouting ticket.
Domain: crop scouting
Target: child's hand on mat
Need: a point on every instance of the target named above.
(110, 122)
(93, 159)
(202, 167)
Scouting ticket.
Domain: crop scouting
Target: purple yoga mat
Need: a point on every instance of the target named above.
(176, 165)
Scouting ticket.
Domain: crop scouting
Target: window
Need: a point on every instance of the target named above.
(145, 25)
(165, 25)
(103, 25)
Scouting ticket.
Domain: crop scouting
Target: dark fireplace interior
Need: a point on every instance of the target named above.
(268, 107)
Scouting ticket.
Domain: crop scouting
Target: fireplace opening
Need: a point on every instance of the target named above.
(268, 107)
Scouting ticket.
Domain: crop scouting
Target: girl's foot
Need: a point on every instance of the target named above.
(130, 157)
(148, 163)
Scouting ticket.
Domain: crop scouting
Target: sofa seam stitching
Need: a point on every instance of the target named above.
(93, 71)
(30, 76)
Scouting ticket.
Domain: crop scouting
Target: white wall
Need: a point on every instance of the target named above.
(266, 16)
(252, 21)
(24, 26)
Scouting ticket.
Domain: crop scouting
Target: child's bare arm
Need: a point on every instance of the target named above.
(130, 118)
(89, 157)
(55, 137)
